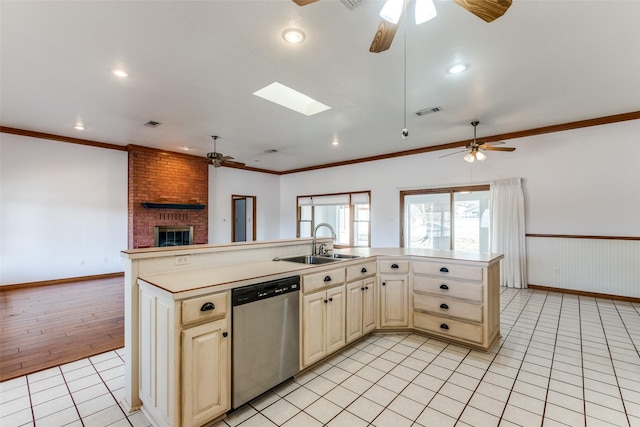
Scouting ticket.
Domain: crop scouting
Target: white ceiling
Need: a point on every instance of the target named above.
(193, 66)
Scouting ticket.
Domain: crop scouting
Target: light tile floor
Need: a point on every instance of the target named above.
(562, 360)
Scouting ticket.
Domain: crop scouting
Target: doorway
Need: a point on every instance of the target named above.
(243, 211)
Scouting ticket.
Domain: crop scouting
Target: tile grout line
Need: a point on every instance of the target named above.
(109, 389)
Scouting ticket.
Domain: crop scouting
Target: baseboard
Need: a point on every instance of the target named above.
(585, 293)
(60, 281)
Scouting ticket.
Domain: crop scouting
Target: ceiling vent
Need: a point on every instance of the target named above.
(351, 3)
(426, 111)
(152, 124)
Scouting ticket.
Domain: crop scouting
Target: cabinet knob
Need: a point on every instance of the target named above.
(444, 306)
(364, 270)
(327, 278)
(225, 334)
(444, 326)
(394, 266)
(383, 283)
(326, 301)
(444, 287)
(362, 289)
(444, 270)
(207, 306)
(366, 288)
(330, 299)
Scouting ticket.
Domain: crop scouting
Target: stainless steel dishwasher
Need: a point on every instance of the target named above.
(266, 340)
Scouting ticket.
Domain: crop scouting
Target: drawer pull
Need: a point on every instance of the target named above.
(364, 270)
(444, 270)
(444, 326)
(444, 287)
(327, 278)
(444, 306)
(225, 334)
(207, 306)
(395, 266)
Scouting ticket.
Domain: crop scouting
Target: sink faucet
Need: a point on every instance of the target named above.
(315, 232)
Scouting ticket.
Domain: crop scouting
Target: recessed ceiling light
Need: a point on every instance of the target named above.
(335, 142)
(455, 69)
(290, 98)
(293, 36)
(79, 126)
(185, 148)
(120, 73)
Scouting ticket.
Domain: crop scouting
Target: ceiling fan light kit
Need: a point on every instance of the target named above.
(392, 10)
(425, 11)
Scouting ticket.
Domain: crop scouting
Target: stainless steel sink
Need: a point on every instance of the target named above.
(344, 256)
(310, 259)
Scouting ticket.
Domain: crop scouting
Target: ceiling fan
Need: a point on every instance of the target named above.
(217, 159)
(391, 13)
(473, 148)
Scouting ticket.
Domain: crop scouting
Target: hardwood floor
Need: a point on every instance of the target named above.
(51, 325)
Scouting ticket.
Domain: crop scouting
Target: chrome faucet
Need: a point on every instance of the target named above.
(315, 232)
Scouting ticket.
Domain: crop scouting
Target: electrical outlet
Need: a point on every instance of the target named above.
(556, 270)
(106, 260)
(81, 262)
(182, 259)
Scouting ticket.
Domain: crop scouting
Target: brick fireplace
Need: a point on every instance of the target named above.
(166, 190)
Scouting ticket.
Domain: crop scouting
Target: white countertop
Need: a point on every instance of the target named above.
(185, 284)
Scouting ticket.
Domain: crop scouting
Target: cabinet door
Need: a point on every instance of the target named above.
(369, 305)
(205, 372)
(355, 293)
(394, 301)
(336, 307)
(313, 327)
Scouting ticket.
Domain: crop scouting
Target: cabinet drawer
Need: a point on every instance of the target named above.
(360, 271)
(449, 288)
(214, 305)
(444, 269)
(448, 327)
(314, 282)
(394, 266)
(448, 307)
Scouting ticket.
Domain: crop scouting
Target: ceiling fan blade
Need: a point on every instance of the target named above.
(490, 144)
(498, 148)
(451, 154)
(232, 164)
(487, 10)
(304, 2)
(384, 36)
(225, 158)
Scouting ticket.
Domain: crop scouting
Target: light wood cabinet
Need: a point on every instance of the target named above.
(205, 372)
(457, 301)
(393, 293)
(323, 323)
(185, 357)
(361, 308)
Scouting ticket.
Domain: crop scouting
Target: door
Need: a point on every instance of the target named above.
(394, 309)
(355, 293)
(369, 305)
(243, 212)
(206, 372)
(313, 327)
(335, 318)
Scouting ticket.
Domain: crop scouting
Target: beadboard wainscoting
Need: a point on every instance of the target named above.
(585, 263)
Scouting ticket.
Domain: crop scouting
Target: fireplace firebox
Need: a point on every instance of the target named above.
(173, 235)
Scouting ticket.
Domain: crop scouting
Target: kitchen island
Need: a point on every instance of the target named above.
(448, 294)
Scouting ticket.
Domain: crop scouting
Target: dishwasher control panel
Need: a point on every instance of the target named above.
(264, 290)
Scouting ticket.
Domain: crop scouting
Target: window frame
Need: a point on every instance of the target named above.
(352, 219)
(440, 190)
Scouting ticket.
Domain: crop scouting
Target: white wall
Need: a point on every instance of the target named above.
(581, 182)
(223, 182)
(63, 209)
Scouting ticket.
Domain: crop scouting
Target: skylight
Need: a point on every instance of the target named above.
(292, 99)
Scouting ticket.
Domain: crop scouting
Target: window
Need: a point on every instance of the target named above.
(347, 213)
(446, 218)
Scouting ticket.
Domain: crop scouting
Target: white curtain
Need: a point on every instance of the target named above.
(507, 231)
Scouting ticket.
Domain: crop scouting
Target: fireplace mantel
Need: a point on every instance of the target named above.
(161, 205)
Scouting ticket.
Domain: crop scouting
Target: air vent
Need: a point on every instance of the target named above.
(351, 3)
(428, 111)
(152, 124)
